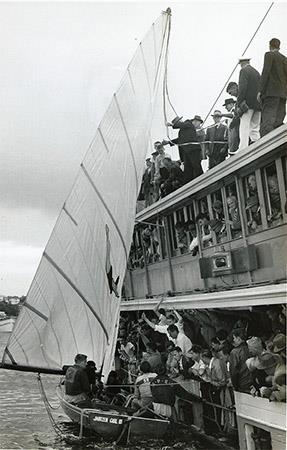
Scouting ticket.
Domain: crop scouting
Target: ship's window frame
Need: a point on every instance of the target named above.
(276, 167)
(233, 188)
(248, 216)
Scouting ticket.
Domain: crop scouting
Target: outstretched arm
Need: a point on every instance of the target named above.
(178, 316)
(151, 324)
(157, 307)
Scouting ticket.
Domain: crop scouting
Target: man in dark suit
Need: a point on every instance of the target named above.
(216, 151)
(273, 88)
(248, 87)
(189, 151)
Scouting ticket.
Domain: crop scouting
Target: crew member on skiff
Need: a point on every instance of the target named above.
(77, 384)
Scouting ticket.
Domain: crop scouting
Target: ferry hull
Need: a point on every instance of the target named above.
(260, 413)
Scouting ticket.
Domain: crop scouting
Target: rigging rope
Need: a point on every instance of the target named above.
(245, 50)
(48, 406)
(165, 84)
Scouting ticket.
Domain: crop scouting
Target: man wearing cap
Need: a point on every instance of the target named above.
(233, 126)
(248, 87)
(273, 88)
(189, 152)
(216, 151)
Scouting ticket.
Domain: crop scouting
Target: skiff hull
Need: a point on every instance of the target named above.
(109, 421)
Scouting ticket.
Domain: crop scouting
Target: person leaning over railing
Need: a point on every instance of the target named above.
(189, 151)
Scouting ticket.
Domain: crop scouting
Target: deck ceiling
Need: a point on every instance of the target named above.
(237, 298)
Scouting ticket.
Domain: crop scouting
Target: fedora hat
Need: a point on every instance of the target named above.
(279, 343)
(266, 361)
(216, 113)
(176, 120)
(196, 117)
(228, 101)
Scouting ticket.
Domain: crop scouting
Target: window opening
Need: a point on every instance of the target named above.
(251, 203)
(233, 211)
(272, 195)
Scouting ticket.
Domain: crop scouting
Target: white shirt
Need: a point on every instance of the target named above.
(199, 368)
(183, 342)
(163, 329)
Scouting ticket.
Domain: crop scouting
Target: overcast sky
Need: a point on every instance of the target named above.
(60, 64)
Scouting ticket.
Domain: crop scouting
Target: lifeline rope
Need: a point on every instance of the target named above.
(246, 48)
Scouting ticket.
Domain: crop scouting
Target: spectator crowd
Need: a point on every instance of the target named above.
(188, 365)
(256, 106)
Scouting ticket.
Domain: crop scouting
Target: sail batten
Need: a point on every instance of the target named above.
(77, 291)
(107, 209)
(74, 300)
(36, 311)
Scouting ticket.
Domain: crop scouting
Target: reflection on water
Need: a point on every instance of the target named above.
(25, 423)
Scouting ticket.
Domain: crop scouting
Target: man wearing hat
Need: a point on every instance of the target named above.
(233, 126)
(189, 151)
(273, 88)
(216, 151)
(248, 88)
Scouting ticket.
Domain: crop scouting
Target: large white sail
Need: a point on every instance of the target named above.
(73, 302)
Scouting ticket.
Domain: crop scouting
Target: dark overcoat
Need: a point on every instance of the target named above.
(273, 81)
(248, 87)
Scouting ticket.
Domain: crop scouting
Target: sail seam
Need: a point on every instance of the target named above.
(22, 348)
(60, 271)
(67, 312)
(131, 80)
(36, 311)
(69, 215)
(103, 140)
(84, 305)
(106, 208)
(39, 337)
(146, 71)
(51, 322)
(128, 139)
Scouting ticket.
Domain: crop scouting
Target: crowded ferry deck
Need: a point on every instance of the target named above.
(220, 279)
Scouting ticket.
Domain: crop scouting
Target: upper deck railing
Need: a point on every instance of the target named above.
(248, 156)
(244, 244)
